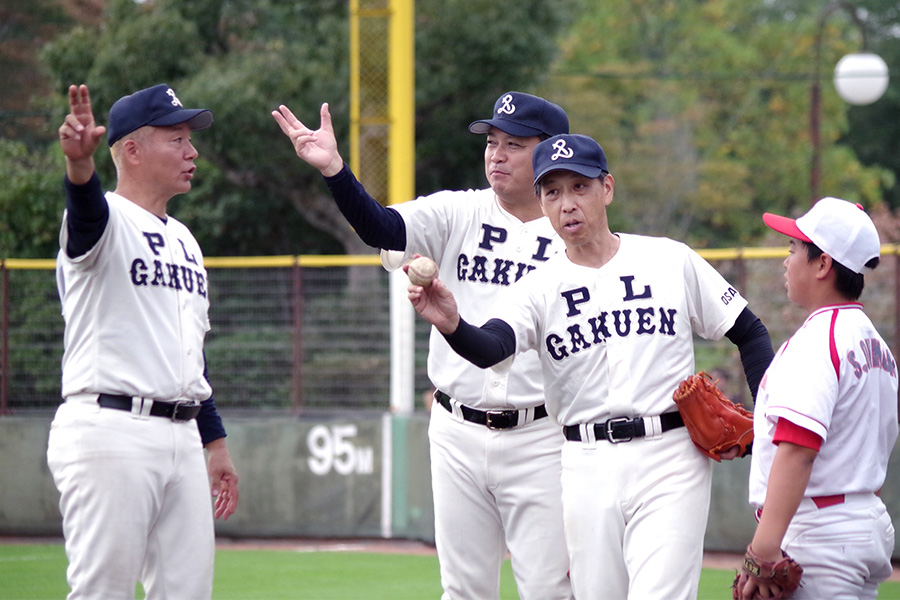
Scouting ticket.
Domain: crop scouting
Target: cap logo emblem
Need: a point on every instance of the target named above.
(175, 100)
(562, 151)
(506, 107)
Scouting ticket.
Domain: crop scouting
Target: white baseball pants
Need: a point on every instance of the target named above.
(495, 490)
(845, 550)
(635, 516)
(135, 502)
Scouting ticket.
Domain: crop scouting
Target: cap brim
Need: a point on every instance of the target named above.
(196, 118)
(587, 171)
(786, 226)
(484, 126)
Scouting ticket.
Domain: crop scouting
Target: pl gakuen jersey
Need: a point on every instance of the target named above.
(616, 341)
(480, 249)
(136, 303)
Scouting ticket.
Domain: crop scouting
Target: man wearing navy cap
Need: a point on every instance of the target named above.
(495, 456)
(126, 446)
(612, 320)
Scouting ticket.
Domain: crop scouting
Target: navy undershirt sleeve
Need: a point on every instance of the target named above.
(483, 346)
(87, 214)
(376, 225)
(209, 423)
(755, 346)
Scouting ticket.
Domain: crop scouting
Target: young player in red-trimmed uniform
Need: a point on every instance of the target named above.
(826, 417)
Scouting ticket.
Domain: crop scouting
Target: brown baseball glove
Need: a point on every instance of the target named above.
(785, 573)
(715, 423)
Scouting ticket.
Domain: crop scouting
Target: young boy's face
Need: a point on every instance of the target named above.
(800, 274)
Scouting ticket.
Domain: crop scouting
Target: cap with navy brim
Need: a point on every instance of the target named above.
(569, 152)
(156, 106)
(524, 115)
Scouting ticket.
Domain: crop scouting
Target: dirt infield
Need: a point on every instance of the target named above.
(712, 560)
(726, 561)
(373, 545)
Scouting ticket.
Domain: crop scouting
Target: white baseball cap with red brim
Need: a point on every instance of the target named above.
(839, 228)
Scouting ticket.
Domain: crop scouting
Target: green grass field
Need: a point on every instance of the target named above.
(37, 572)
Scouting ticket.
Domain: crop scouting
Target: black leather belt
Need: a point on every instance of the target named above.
(624, 429)
(177, 411)
(492, 419)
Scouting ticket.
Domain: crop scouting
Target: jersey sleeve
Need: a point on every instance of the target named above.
(804, 387)
(713, 302)
(786, 431)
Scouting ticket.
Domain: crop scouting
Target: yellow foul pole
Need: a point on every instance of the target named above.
(401, 187)
(401, 102)
(354, 85)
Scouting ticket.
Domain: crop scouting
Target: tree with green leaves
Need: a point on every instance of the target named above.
(873, 131)
(241, 58)
(30, 224)
(703, 108)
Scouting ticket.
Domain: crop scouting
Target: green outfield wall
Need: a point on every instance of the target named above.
(340, 475)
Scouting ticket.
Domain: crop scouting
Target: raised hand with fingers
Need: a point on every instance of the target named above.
(319, 147)
(79, 135)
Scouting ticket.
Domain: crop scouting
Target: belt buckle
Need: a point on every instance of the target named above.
(178, 404)
(609, 430)
(489, 415)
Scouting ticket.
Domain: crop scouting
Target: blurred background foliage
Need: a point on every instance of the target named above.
(702, 106)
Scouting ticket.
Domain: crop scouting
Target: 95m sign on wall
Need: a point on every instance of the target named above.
(337, 449)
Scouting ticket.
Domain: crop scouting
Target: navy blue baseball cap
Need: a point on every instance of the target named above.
(569, 152)
(524, 115)
(157, 106)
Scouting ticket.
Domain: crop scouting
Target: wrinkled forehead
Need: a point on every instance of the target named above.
(495, 133)
(174, 128)
(557, 176)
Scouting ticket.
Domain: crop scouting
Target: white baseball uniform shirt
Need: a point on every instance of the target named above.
(480, 249)
(837, 378)
(140, 263)
(616, 341)
(613, 342)
(494, 490)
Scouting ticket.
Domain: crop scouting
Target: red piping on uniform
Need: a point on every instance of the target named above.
(832, 346)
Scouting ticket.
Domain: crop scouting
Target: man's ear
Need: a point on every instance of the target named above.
(610, 184)
(130, 150)
(540, 200)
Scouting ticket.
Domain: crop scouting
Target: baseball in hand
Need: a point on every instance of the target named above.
(422, 271)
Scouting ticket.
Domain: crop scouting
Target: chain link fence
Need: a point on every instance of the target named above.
(298, 338)
(289, 339)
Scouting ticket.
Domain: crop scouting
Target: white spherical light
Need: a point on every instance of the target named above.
(861, 78)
